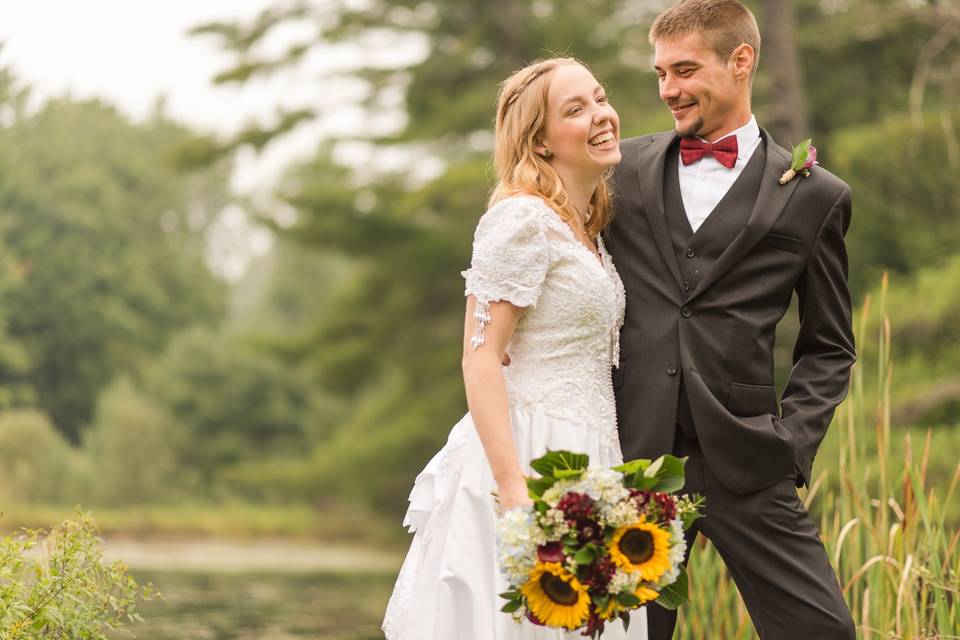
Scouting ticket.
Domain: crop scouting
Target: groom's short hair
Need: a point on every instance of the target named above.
(725, 25)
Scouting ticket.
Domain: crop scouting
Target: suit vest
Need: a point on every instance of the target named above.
(696, 252)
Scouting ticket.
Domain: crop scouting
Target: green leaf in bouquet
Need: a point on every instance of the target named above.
(689, 517)
(600, 601)
(633, 466)
(625, 619)
(536, 486)
(566, 474)
(540, 506)
(586, 554)
(668, 472)
(548, 464)
(628, 600)
(639, 481)
(511, 606)
(570, 539)
(676, 595)
(509, 595)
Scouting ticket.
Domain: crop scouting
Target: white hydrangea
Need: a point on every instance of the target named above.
(553, 495)
(620, 514)
(517, 539)
(520, 614)
(603, 485)
(554, 520)
(678, 547)
(623, 581)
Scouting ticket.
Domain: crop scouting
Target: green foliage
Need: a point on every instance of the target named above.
(555, 464)
(677, 594)
(67, 591)
(131, 449)
(906, 196)
(923, 310)
(105, 239)
(859, 60)
(230, 402)
(36, 463)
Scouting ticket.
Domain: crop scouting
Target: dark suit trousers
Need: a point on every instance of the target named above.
(772, 550)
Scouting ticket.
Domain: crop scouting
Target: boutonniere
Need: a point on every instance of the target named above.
(804, 157)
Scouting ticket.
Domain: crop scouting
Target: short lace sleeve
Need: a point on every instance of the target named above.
(510, 258)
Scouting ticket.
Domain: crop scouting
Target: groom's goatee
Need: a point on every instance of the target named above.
(692, 130)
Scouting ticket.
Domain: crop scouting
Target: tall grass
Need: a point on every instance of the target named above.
(885, 527)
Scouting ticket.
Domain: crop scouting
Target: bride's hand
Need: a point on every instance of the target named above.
(513, 495)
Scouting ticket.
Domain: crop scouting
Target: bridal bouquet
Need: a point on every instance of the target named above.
(597, 543)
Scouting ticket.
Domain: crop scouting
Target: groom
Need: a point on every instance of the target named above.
(711, 249)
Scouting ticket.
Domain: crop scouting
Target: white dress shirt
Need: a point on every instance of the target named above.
(704, 183)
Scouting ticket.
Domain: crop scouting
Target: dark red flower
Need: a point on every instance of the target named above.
(641, 498)
(587, 529)
(550, 552)
(597, 575)
(576, 506)
(594, 626)
(667, 505)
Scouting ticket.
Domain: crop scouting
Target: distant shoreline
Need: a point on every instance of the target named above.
(271, 555)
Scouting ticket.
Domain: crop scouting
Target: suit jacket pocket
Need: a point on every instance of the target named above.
(752, 399)
(786, 243)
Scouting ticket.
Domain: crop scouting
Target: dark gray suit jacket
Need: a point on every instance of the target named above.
(720, 335)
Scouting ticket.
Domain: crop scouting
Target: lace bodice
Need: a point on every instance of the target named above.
(567, 337)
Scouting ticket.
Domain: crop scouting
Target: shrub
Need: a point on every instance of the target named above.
(131, 444)
(67, 591)
(36, 463)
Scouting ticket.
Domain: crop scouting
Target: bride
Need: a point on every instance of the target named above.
(542, 288)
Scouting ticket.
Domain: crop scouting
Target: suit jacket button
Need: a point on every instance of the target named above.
(685, 312)
(691, 253)
(686, 286)
(672, 370)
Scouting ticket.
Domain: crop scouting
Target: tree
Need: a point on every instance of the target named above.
(787, 117)
(388, 341)
(231, 403)
(105, 242)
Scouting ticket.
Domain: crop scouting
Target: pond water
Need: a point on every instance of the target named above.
(199, 605)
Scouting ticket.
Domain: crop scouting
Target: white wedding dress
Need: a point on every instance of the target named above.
(561, 397)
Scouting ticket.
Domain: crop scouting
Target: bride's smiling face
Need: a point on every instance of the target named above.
(582, 130)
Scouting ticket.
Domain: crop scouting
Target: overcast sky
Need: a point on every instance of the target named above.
(130, 52)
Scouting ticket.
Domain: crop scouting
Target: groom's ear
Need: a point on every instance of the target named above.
(742, 60)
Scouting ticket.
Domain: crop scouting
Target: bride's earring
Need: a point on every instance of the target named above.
(547, 153)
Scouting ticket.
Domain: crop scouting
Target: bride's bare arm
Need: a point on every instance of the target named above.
(487, 398)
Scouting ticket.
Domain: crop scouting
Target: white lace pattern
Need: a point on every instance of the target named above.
(568, 335)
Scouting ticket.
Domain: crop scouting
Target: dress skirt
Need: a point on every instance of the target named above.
(448, 584)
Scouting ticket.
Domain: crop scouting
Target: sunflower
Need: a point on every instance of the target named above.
(612, 610)
(643, 547)
(646, 594)
(555, 596)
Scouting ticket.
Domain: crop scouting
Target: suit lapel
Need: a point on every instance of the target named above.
(651, 167)
(771, 199)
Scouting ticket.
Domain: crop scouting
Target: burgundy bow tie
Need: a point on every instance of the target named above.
(725, 151)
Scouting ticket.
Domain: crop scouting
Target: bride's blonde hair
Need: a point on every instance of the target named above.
(521, 119)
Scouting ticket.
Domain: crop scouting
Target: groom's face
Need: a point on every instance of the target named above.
(699, 88)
